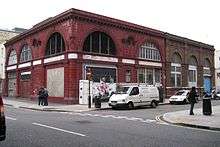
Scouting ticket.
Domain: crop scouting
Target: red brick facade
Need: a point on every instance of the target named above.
(75, 26)
(187, 48)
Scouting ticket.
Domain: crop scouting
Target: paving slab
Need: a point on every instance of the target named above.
(198, 120)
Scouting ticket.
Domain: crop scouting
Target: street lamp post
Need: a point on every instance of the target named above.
(89, 75)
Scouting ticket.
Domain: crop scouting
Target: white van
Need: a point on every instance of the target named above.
(132, 96)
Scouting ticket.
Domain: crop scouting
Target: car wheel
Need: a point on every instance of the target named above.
(185, 101)
(130, 105)
(153, 104)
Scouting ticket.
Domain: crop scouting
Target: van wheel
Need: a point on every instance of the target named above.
(130, 105)
(153, 104)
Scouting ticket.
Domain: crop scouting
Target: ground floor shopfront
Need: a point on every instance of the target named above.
(61, 75)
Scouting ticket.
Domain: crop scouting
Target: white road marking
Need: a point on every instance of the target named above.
(58, 129)
(148, 121)
(116, 117)
(11, 118)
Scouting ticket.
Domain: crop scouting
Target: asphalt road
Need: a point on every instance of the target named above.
(107, 128)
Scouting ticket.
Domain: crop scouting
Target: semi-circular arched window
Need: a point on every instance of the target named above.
(192, 71)
(99, 42)
(150, 52)
(25, 54)
(207, 63)
(206, 68)
(176, 70)
(12, 58)
(193, 61)
(55, 44)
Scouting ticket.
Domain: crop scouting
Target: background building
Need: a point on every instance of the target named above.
(217, 70)
(58, 52)
(4, 36)
(188, 63)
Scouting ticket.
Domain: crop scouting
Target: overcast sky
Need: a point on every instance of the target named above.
(195, 19)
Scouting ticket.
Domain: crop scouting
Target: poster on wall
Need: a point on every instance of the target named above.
(103, 81)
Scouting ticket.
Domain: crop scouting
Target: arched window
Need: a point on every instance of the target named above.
(207, 63)
(12, 58)
(192, 72)
(206, 68)
(99, 42)
(25, 54)
(55, 44)
(176, 70)
(193, 61)
(150, 52)
(176, 58)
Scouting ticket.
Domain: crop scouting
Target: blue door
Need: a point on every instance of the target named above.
(207, 85)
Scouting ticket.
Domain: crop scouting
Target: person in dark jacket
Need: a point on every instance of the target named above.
(45, 97)
(41, 96)
(192, 99)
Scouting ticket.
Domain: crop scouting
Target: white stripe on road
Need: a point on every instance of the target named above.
(11, 118)
(58, 129)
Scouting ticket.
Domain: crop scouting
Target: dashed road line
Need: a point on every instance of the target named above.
(11, 118)
(58, 129)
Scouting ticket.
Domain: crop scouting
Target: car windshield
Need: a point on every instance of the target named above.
(180, 93)
(122, 90)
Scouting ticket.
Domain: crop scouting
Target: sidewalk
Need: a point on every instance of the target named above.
(33, 105)
(211, 122)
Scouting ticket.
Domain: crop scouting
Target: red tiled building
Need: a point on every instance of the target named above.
(57, 53)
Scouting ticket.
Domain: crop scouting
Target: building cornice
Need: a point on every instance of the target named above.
(188, 41)
(85, 16)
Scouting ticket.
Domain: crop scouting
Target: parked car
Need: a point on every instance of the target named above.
(135, 95)
(2, 121)
(215, 95)
(180, 97)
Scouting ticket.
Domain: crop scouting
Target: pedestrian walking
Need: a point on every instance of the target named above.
(41, 96)
(192, 99)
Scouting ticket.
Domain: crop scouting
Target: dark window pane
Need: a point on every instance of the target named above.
(25, 77)
(55, 44)
(99, 42)
(105, 74)
(62, 45)
(86, 46)
(149, 76)
(172, 80)
(178, 78)
(95, 42)
(58, 44)
(104, 45)
(157, 75)
(128, 76)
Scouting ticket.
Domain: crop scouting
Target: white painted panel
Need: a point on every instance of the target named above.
(37, 62)
(176, 64)
(100, 58)
(24, 65)
(150, 63)
(52, 59)
(72, 56)
(55, 82)
(26, 73)
(191, 67)
(12, 67)
(128, 61)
